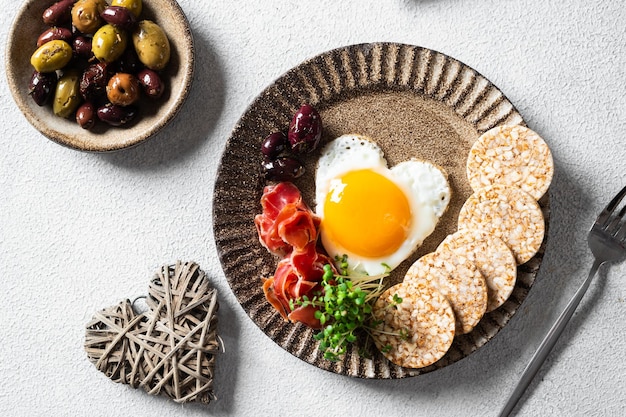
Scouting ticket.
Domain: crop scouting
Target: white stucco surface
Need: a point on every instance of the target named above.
(79, 232)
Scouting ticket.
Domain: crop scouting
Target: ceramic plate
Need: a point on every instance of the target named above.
(415, 103)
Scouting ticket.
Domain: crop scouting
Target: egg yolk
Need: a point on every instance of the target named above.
(366, 213)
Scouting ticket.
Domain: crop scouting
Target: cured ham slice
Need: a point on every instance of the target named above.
(289, 229)
(286, 222)
(297, 227)
(306, 316)
(296, 276)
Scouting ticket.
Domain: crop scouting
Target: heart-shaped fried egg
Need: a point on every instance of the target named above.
(377, 216)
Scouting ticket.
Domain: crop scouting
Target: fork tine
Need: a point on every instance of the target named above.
(614, 223)
(608, 210)
(620, 230)
(621, 234)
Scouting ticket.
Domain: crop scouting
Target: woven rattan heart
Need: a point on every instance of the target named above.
(169, 349)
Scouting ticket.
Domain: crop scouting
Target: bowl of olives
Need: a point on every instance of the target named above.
(100, 75)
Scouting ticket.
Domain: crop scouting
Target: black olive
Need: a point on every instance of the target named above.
(86, 115)
(81, 46)
(93, 81)
(274, 145)
(151, 83)
(116, 115)
(305, 130)
(41, 87)
(283, 169)
(119, 16)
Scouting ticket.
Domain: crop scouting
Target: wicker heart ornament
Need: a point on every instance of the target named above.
(169, 349)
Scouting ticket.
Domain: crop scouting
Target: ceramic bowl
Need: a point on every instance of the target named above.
(153, 115)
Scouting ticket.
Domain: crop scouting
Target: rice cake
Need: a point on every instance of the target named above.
(513, 156)
(416, 332)
(460, 282)
(509, 214)
(492, 257)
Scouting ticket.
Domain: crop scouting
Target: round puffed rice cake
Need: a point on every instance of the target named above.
(416, 332)
(458, 280)
(509, 214)
(513, 156)
(492, 257)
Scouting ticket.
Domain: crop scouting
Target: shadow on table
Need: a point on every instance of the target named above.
(566, 268)
(193, 124)
(226, 364)
(421, 2)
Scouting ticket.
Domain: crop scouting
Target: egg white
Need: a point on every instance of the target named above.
(424, 184)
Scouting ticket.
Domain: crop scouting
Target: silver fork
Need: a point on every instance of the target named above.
(607, 241)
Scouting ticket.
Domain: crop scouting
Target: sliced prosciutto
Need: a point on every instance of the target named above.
(289, 229)
(286, 222)
(297, 275)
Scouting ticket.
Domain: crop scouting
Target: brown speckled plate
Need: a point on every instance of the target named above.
(414, 102)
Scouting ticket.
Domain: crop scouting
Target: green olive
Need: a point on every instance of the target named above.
(86, 15)
(151, 45)
(133, 5)
(51, 56)
(109, 43)
(67, 94)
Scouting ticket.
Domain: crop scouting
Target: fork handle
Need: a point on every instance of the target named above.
(548, 342)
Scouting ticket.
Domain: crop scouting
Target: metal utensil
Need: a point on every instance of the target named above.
(607, 241)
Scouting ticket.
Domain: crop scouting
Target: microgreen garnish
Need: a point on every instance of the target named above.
(396, 299)
(342, 264)
(344, 305)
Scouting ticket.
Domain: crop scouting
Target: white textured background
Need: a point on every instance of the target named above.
(79, 232)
